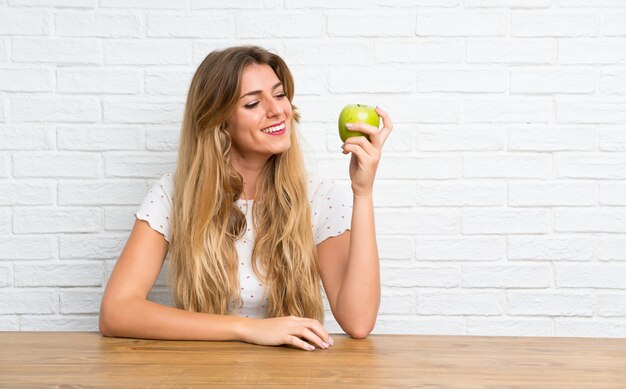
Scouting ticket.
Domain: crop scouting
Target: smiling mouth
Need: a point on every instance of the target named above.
(275, 129)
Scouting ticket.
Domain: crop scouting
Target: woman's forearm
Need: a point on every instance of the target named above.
(359, 297)
(140, 318)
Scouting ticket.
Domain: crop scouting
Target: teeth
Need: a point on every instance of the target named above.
(269, 130)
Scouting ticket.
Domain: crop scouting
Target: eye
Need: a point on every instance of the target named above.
(280, 95)
(251, 105)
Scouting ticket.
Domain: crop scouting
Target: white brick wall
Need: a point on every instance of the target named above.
(500, 200)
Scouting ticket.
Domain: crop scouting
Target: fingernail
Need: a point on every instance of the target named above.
(311, 347)
(324, 344)
(348, 125)
(331, 341)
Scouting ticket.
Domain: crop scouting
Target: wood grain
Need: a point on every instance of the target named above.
(87, 360)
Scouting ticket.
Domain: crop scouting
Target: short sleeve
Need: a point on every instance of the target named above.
(331, 209)
(156, 207)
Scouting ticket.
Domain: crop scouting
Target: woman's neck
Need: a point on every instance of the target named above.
(250, 171)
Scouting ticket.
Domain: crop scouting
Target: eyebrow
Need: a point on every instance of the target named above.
(256, 92)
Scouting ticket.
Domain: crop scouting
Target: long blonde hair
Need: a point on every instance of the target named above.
(206, 221)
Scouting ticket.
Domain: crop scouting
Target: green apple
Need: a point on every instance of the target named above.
(356, 113)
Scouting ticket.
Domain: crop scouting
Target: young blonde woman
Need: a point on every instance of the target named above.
(249, 235)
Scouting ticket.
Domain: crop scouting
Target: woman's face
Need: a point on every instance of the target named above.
(260, 125)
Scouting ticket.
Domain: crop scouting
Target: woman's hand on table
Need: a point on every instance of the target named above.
(299, 332)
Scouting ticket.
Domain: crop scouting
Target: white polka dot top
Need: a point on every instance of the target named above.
(331, 210)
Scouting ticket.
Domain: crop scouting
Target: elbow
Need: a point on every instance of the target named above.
(359, 332)
(107, 320)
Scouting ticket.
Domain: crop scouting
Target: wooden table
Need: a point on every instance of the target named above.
(87, 360)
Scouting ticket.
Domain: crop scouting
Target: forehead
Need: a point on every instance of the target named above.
(258, 76)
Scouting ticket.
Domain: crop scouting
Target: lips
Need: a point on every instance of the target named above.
(275, 129)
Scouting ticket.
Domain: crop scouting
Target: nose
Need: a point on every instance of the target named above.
(274, 108)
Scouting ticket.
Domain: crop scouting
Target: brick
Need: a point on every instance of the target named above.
(393, 193)
(26, 80)
(9, 323)
(611, 249)
(87, 323)
(550, 24)
(242, 4)
(109, 192)
(26, 193)
(612, 193)
(56, 109)
(58, 274)
(412, 277)
(599, 166)
(424, 50)
(509, 327)
(324, 4)
(142, 110)
(417, 222)
(360, 79)
(422, 110)
(505, 221)
(427, 167)
(540, 137)
(395, 247)
(461, 80)
(464, 193)
(591, 110)
(612, 82)
(366, 24)
(16, 247)
(77, 80)
(26, 137)
(538, 248)
(162, 139)
(57, 50)
(552, 194)
(4, 166)
(5, 221)
(19, 301)
(173, 83)
(468, 137)
(612, 23)
(201, 48)
(611, 305)
(592, 51)
(91, 246)
(507, 276)
(488, 248)
(14, 23)
(311, 80)
(507, 166)
(4, 50)
(261, 24)
(536, 81)
(54, 3)
(204, 26)
(150, 4)
(591, 3)
(590, 220)
(80, 301)
(147, 52)
(507, 3)
(419, 325)
(466, 303)
(100, 138)
(152, 165)
(56, 220)
(589, 328)
(57, 165)
(549, 304)
(536, 51)
(508, 110)
(605, 276)
(417, 3)
(101, 25)
(397, 303)
(6, 275)
(119, 218)
(462, 23)
(2, 109)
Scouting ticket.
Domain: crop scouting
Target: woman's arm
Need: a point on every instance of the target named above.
(127, 312)
(349, 263)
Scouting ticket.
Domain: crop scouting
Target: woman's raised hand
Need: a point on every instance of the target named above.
(299, 332)
(366, 155)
